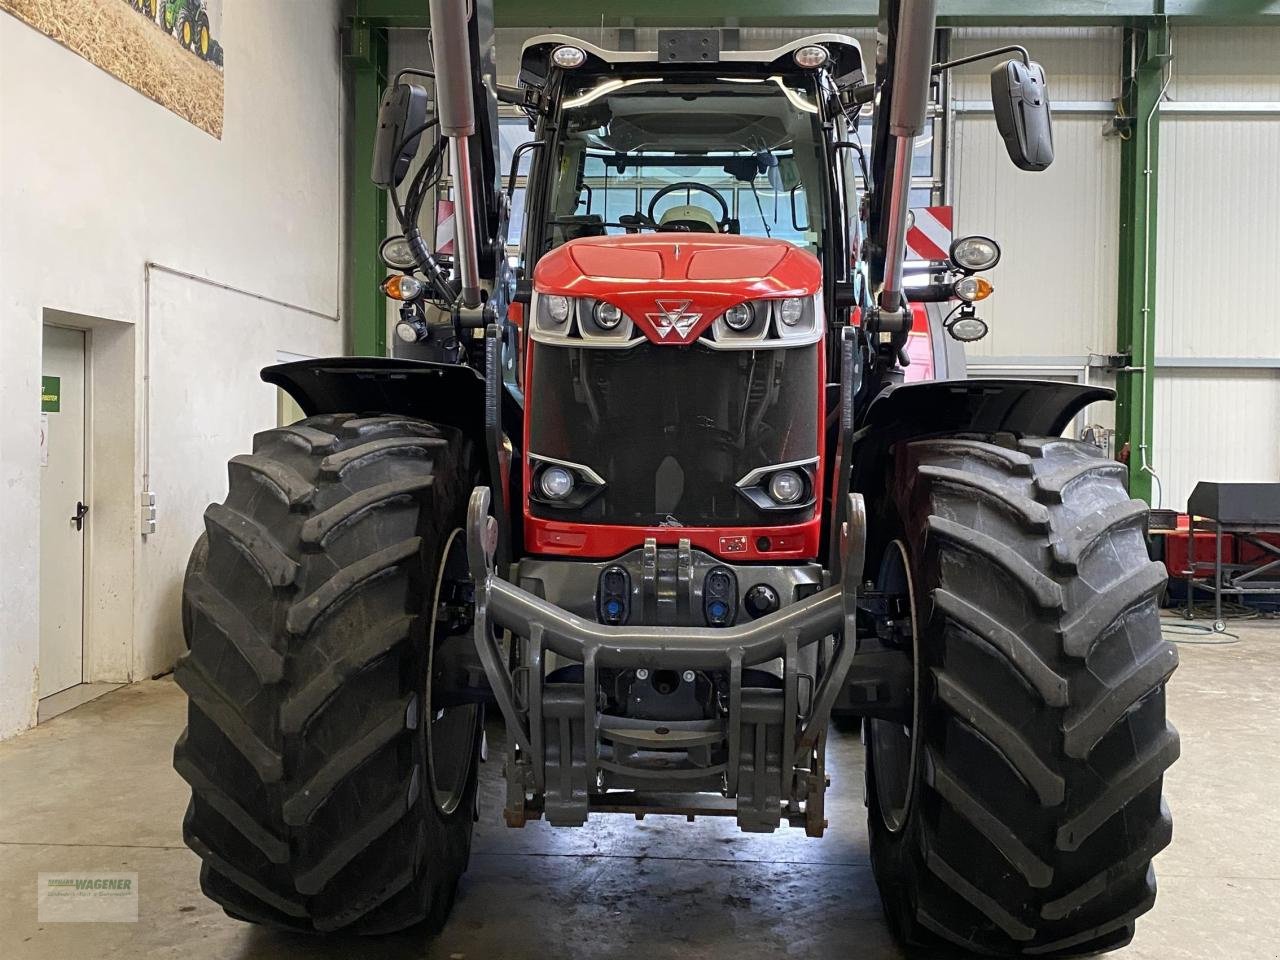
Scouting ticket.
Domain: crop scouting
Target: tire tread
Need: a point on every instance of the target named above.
(1044, 668)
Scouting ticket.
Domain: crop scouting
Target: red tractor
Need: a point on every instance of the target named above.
(661, 494)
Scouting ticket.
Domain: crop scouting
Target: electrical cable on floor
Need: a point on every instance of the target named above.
(1185, 632)
(1230, 611)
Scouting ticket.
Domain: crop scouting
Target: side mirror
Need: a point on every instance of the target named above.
(1021, 103)
(403, 111)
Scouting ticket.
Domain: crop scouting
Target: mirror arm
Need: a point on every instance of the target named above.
(412, 72)
(985, 55)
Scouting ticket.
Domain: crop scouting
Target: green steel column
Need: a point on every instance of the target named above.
(1146, 54)
(367, 58)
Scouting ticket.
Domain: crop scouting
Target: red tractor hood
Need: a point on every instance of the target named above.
(674, 285)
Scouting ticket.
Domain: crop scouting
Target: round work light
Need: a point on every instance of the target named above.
(975, 253)
(811, 57)
(739, 316)
(568, 58)
(556, 483)
(607, 315)
(786, 486)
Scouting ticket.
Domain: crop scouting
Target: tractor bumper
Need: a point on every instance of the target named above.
(760, 759)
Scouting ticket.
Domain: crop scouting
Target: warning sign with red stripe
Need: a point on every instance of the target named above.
(929, 237)
(444, 226)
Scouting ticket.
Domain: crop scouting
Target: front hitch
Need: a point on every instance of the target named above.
(569, 758)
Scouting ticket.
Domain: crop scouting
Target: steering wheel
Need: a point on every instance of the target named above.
(689, 185)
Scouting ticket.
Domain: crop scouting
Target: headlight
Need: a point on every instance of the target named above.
(556, 483)
(557, 308)
(568, 57)
(395, 253)
(786, 486)
(972, 289)
(607, 315)
(739, 316)
(975, 253)
(791, 310)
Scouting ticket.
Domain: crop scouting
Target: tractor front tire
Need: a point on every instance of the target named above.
(1019, 812)
(328, 791)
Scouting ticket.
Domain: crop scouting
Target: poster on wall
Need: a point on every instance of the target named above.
(168, 50)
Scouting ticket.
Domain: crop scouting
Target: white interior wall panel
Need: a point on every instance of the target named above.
(1215, 425)
(1219, 236)
(1226, 64)
(1218, 252)
(1056, 283)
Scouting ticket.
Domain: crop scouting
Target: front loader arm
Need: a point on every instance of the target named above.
(904, 60)
(462, 47)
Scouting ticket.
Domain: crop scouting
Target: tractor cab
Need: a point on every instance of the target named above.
(692, 139)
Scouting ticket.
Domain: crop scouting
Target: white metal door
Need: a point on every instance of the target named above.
(63, 513)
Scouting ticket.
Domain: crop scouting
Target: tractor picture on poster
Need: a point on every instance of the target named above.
(187, 21)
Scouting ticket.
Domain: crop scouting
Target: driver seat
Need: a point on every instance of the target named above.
(691, 217)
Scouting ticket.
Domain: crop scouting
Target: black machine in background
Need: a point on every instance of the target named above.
(1245, 511)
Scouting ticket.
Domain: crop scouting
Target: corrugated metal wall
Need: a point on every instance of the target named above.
(1055, 299)
(1218, 261)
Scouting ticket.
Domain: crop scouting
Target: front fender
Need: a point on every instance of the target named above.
(988, 405)
(444, 393)
(913, 411)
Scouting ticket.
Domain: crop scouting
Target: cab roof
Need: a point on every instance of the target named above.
(690, 50)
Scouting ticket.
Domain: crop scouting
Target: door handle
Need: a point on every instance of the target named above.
(78, 519)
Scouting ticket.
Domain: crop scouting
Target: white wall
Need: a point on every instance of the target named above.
(1218, 251)
(96, 180)
(1056, 283)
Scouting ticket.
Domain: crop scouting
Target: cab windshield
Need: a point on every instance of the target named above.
(735, 156)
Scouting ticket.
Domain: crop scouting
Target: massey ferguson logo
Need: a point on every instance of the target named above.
(673, 315)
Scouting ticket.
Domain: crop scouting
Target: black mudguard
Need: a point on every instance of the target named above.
(443, 393)
(913, 411)
(1024, 407)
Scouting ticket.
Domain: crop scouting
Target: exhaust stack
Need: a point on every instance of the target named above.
(451, 54)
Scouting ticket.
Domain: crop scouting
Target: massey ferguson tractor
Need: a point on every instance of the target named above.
(658, 490)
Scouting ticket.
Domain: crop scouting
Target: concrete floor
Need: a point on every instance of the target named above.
(93, 790)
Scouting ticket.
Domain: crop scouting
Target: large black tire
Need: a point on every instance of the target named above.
(317, 802)
(1032, 774)
(196, 564)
